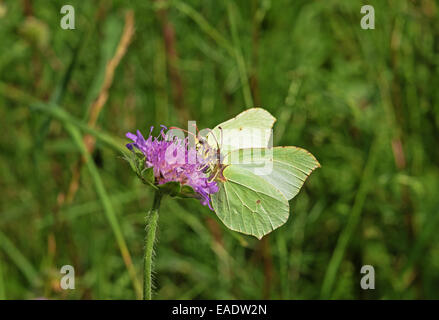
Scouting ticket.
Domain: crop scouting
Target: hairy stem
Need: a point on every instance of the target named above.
(151, 227)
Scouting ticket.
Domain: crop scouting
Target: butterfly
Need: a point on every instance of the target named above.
(255, 180)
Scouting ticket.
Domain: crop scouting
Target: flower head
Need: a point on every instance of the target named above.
(175, 160)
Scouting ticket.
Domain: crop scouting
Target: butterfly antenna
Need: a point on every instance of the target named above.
(221, 129)
(214, 177)
(196, 128)
(170, 128)
(216, 140)
(219, 153)
(188, 132)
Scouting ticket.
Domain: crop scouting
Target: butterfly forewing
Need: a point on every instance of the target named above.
(249, 129)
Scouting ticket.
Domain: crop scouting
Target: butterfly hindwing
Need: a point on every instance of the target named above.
(247, 204)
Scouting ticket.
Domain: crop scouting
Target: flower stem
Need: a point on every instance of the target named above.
(151, 227)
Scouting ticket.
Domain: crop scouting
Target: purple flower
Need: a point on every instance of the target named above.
(175, 160)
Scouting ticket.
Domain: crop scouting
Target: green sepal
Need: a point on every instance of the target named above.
(147, 175)
(186, 192)
(137, 164)
(172, 188)
(129, 157)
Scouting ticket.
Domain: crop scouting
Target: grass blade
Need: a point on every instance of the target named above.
(108, 207)
(354, 218)
(19, 259)
(231, 11)
(65, 117)
(204, 25)
(2, 283)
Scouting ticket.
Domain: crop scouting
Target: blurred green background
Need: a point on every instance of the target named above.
(364, 102)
